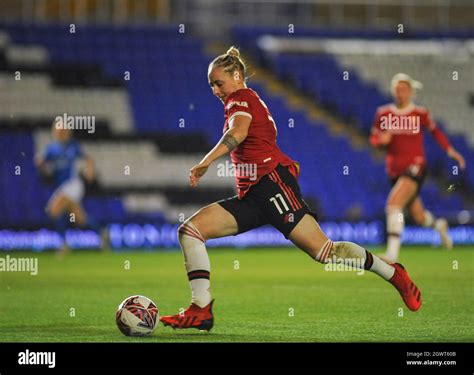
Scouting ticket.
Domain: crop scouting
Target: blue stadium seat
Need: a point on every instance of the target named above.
(161, 92)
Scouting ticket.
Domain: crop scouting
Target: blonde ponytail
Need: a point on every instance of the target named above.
(230, 62)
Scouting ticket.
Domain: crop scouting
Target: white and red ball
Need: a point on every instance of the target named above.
(137, 316)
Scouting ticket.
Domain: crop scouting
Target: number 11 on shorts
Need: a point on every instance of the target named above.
(277, 205)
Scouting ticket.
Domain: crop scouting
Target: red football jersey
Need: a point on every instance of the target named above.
(405, 150)
(258, 154)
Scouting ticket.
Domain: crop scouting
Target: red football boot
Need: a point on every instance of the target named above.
(193, 317)
(410, 293)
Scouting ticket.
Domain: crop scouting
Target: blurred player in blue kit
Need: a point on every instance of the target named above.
(59, 164)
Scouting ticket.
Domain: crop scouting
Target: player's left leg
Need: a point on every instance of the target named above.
(73, 190)
(281, 201)
(288, 212)
(56, 208)
(63, 204)
(426, 219)
(404, 190)
(308, 236)
(85, 221)
(80, 216)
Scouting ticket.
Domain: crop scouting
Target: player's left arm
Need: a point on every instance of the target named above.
(89, 168)
(42, 160)
(443, 141)
(234, 136)
(454, 154)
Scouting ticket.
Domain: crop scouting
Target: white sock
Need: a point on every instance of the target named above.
(197, 263)
(354, 256)
(429, 219)
(395, 224)
(440, 225)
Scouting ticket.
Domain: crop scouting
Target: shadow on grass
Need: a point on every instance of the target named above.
(89, 334)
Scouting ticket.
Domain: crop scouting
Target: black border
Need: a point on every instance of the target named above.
(126, 356)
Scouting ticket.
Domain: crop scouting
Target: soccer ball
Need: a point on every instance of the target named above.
(137, 316)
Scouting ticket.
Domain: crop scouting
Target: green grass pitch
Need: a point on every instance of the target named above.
(275, 295)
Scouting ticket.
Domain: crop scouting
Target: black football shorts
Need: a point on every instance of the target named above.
(275, 200)
(416, 174)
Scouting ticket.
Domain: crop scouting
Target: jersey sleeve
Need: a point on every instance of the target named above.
(79, 151)
(239, 105)
(48, 153)
(428, 121)
(376, 129)
(436, 132)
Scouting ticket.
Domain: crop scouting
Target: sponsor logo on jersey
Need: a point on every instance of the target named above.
(235, 102)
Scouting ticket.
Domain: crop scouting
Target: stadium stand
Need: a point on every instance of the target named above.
(155, 114)
(355, 100)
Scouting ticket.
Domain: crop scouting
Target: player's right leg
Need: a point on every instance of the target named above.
(426, 219)
(64, 200)
(212, 221)
(57, 207)
(401, 194)
(308, 236)
(80, 216)
(85, 221)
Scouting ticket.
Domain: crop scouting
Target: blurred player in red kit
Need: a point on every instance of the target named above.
(269, 195)
(399, 127)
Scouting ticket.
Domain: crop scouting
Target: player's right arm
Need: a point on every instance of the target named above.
(45, 167)
(89, 170)
(379, 137)
(41, 162)
(235, 135)
(442, 140)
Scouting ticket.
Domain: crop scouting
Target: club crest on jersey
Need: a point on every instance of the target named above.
(235, 102)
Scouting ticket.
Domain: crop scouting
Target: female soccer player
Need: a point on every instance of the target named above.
(271, 197)
(59, 162)
(398, 126)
